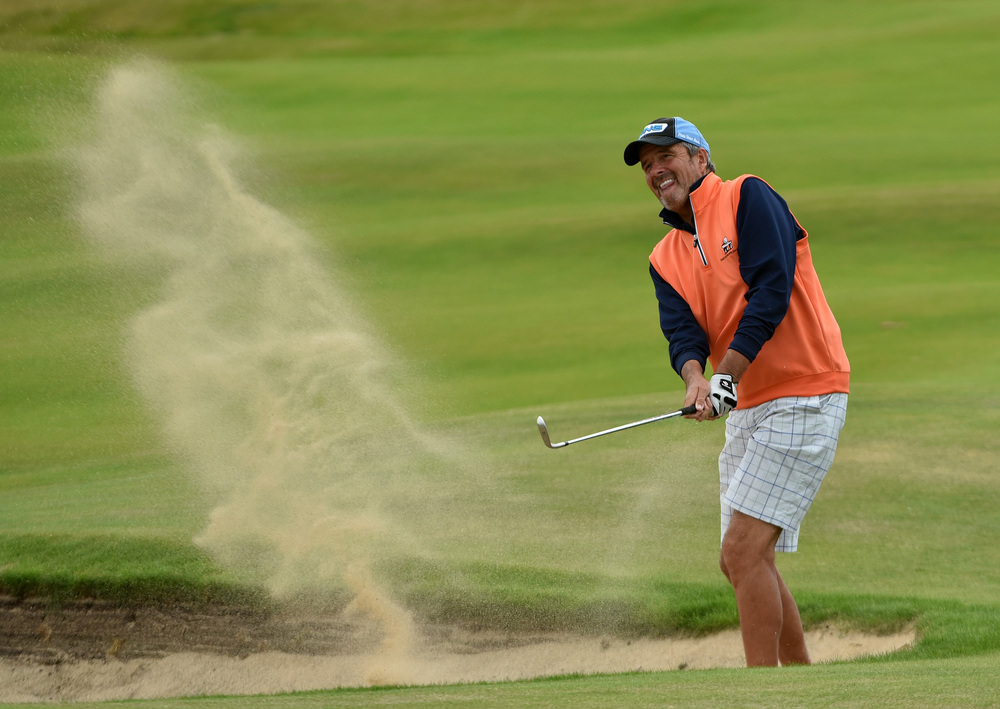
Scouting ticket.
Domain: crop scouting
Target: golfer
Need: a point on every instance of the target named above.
(736, 288)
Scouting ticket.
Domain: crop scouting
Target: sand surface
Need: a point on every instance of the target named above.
(89, 652)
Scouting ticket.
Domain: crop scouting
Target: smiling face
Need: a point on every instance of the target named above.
(670, 171)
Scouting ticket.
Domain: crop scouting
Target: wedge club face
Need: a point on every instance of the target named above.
(546, 439)
(545, 435)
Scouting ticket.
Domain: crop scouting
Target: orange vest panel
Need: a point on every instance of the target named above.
(805, 356)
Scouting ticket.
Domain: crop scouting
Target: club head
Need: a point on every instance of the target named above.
(545, 434)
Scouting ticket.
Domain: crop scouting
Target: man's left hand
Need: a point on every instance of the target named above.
(722, 393)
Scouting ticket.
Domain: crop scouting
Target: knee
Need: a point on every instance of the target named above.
(740, 557)
(731, 557)
(723, 566)
(748, 543)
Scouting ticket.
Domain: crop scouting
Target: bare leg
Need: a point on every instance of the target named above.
(765, 605)
(792, 641)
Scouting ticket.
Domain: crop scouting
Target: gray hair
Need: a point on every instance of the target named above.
(693, 150)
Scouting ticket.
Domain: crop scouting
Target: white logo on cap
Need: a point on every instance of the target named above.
(653, 128)
(689, 137)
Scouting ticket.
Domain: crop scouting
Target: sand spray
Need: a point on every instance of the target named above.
(268, 384)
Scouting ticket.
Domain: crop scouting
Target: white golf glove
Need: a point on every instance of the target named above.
(722, 393)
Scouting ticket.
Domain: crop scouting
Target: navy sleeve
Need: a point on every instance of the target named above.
(687, 339)
(767, 234)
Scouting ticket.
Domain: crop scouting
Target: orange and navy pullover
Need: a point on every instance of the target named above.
(741, 277)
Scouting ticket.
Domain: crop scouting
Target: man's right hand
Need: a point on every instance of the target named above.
(697, 390)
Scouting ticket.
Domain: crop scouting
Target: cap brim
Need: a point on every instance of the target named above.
(633, 148)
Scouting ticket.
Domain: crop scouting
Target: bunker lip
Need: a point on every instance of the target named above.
(93, 651)
(94, 629)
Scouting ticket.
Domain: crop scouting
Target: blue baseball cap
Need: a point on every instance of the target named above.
(665, 131)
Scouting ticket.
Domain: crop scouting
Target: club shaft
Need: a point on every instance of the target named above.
(687, 410)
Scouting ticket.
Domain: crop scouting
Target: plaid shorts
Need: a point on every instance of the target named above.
(775, 457)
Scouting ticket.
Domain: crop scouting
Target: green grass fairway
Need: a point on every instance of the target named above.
(454, 172)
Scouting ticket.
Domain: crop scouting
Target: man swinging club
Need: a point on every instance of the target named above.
(736, 287)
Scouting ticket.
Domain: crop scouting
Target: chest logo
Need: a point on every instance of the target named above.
(727, 246)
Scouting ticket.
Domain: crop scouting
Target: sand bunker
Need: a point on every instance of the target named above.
(190, 674)
(95, 653)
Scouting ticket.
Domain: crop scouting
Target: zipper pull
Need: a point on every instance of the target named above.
(701, 251)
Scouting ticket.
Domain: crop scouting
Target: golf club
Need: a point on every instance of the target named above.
(542, 429)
